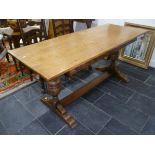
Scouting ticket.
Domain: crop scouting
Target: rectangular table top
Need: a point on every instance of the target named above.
(54, 57)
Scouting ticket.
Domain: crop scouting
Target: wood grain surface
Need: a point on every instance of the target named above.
(57, 56)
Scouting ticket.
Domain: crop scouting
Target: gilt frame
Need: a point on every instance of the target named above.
(149, 49)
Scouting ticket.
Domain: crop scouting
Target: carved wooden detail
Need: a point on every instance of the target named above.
(112, 68)
(54, 88)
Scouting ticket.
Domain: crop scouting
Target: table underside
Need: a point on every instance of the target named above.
(54, 88)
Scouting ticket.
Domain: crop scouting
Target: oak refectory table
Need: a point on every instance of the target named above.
(55, 57)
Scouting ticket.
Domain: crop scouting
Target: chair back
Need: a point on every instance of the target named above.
(32, 31)
(62, 26)
(3, 50)
(3, 22)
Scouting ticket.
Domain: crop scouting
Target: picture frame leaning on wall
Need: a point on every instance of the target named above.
(139, 53)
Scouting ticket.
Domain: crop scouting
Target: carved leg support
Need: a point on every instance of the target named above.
(54, 103)
(113, 69)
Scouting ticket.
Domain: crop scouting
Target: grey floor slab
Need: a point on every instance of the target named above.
(93, 95)
(115, 79)
(15, 116)
(150, 70)
(7, 103)
(87, 75)
(36, 108)
(122, 64)
(36, 86)
(73, 84)
(88, 115)
(130, 71)
(100, 63)
(105, 131)
(126, 115)
(140, 87)
(78, 130)
(115, 89)
(148, 91)
(64, 92)
(28, 94)
(117, 128)
(151, 81)
(34, 128)
(51, 122)
(135, 84)
(142, 103)
(149, 128)
(3, 129)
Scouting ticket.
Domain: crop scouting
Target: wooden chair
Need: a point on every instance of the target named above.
(3, 22)
(3, 51)
(62, 27)
(2, 44)
(11, 35)
(32, 31)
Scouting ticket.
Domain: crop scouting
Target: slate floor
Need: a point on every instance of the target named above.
(112, 108)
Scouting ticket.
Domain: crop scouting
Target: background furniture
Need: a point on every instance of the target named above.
(70, 28)
(32, 31)
(1, 48)
(11, 35)
(15, 37)
(3, 51)
(62, 27)
(2, 44)
(3, 22)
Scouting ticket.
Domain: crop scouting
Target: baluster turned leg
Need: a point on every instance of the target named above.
(54, 89)
(113, 69)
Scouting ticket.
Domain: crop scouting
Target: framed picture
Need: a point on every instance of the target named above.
(139, 53)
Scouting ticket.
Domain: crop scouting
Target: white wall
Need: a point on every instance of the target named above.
(150, 22)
